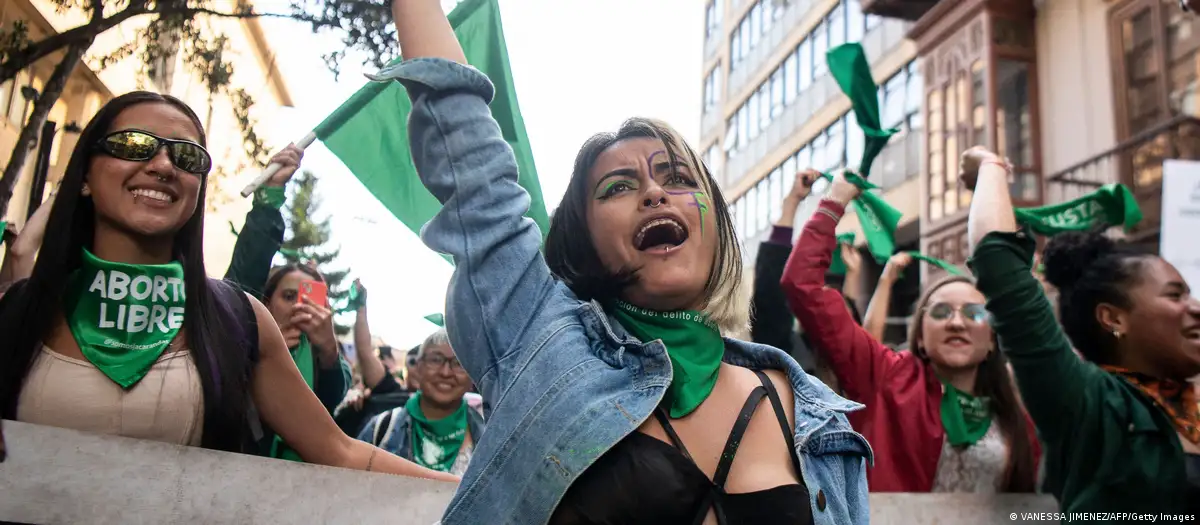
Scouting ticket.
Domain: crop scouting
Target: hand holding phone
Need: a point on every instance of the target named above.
(315, 291)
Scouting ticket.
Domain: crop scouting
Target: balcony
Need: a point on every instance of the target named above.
(1137, 163)
(910, 10)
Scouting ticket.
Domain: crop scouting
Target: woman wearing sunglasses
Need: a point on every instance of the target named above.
(1121, 425)
(119, 330)
(943, 417)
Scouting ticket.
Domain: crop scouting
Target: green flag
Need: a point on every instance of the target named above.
(437, 319)
(838, 265)
(1112, 204)
(849, 67)
(369, 132)
(945, 266)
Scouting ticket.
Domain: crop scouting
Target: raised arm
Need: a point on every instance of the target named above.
(772, 319)
(22, 252)
(500, 280)
(369, 364)
(293, 411)
(856, 358)
(262, 233)
(1048, 372)
(875, 321)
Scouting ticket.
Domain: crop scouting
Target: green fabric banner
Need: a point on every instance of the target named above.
(369, 132)
(849, 67)
(877, 218)
(945, 266)
(1112, 204)
(838, 265)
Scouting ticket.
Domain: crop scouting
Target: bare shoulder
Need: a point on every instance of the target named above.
(779, 378)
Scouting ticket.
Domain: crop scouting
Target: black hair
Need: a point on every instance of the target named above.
(570, 251)
(29, 318)
(279, 272)
(993, 380)
(1089, 268)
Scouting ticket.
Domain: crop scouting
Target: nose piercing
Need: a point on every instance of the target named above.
(656, 204)
(161, 178)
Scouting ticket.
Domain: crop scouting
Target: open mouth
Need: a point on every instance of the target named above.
(154, 195)
(663, 232)
(1193, 334)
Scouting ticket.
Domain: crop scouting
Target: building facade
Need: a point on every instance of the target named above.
(771, 109)
(253, 61)
(1076, 93)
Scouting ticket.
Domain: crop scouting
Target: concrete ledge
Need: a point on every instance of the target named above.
(55, 475)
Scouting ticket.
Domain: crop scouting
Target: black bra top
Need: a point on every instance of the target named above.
(644, 480)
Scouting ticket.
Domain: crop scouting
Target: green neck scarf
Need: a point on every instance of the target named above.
(1112, 204)
(435, 443)
(123, 316)
(693, 343)
(965, 417)
(303, 357)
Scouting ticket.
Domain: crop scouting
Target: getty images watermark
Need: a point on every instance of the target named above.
(1067, 517)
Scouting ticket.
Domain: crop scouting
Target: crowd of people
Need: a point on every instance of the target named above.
(595, 376)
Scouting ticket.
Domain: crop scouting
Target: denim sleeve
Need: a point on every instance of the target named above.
(500, 280)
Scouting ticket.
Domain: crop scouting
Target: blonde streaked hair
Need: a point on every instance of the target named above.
(573, 258)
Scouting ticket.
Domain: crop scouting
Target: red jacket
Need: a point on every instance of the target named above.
(902, 419)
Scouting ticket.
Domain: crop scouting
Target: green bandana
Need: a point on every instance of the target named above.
(965, 417)
(270, 196)
(693, 343)
(838, 265)
(877, 218)
(1112, 204)
(945, 266)
(849, 67)
(437, 319)
(303, 357)
(435, 444)
(124, 315)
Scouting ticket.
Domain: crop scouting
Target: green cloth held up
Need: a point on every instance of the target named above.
(849, 67)
(945, 266)
(1112, 204)
(838, 266)
(437, 319)
(878, 218)
(303, 356)
(270, 196)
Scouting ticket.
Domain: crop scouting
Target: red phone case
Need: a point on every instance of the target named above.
(315, 291)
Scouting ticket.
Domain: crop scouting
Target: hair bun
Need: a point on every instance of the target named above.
(1068, 254)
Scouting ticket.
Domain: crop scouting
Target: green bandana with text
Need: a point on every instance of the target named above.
(124, 315)
(693, 343)
(1112, 205)
(965, 417)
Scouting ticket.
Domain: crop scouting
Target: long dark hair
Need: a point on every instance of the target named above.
(992, 380)
(571, 254)
(28, 318)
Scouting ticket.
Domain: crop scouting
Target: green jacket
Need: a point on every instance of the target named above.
(1109, 448)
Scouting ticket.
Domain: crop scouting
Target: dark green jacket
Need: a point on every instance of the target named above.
(1109, 448)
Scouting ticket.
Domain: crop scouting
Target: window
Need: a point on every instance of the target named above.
(892, 99)
(820, 42)
(712, 89)
(750, 202)
(753, 113)
(745, 41)
(764, 207)
(871, 21)
(735, 49)
(1158, 56)
(777, 93)
(855, 23)
(836, 22)
(805, 54)
(789, 174)
(776, 181)
(756, 25)
(835, 146)
(789, 79)
(764, 106)
(804, 158)
(855, 142)
(712, 17)
(1013, 127)
(913, 95)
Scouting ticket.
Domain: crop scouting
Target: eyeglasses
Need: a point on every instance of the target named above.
(140, 146)
(974, 312)
(437, 361)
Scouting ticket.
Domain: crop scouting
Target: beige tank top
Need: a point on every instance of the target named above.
(166, 405)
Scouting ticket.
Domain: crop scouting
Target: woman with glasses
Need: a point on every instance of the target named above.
(942, 417)
(120, 331)
(436, 428)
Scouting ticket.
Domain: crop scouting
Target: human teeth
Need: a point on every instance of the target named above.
(153, 194)
(641, 235)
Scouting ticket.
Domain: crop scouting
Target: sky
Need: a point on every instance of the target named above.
(580, 67)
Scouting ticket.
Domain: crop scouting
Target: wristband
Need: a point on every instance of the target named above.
(270, 196)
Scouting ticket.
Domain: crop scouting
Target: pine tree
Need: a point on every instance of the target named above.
(307, 238)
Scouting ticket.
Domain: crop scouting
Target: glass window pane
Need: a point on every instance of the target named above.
(776, 193)
(820, 42)
(789, 171)
(818, 152)
(755, 25)
(836, 21)
(835, 148)
(872, 22)
(804, 52)
(804, 158)
(978, 116)
(764, 207)
(893, 101)
(855, 142)
(790, 88)
(854, 21)
(745, 37)
(777, 93)
(752, 115)
(764, 105)
(743, 128)
(751, 202)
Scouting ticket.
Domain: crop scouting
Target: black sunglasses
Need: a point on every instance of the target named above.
(140, 146)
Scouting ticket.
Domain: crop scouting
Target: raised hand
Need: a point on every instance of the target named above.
(851, 258)
(289, 161)
(843, 191)
(972, 160)
(316, 321)
(803, 184)
(895, 267)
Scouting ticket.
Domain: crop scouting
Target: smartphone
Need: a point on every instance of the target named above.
(315, 291)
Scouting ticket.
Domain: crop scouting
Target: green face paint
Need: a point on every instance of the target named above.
(604, 192)
(696, 203)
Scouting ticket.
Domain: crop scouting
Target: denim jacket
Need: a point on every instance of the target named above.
(563, 381)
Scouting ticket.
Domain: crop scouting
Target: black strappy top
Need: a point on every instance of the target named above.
(644, 480)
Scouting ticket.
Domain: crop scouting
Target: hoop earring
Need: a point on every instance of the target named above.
(86, 191)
